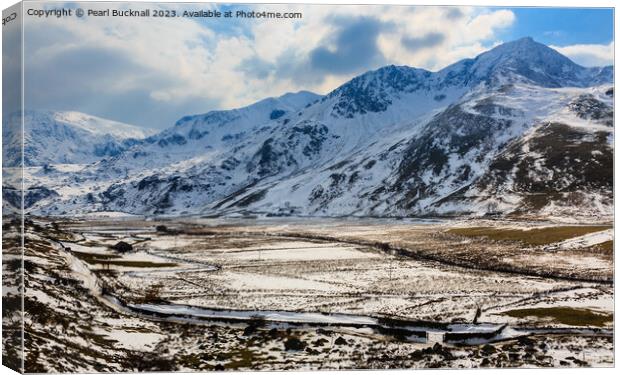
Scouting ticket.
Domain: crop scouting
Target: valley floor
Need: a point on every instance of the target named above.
(224, 294)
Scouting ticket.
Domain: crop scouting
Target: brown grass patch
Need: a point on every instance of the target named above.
(535, 237)
(565, 315)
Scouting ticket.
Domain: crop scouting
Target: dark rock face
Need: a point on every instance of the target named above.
(111, 148)
(372, 91)
(588, 107)
(252, 198)
(31, 195)
(563, 164)
(295, 145)
(276, 114)
(267, 159)
(12, 196)
(174, 139)
(453, 132)
(196, 134)
(316, 134)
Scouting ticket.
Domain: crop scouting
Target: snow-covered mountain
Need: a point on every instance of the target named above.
(66, 138)
(520, 129)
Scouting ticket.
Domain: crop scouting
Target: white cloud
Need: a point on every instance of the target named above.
(589, 54)
(465, 36)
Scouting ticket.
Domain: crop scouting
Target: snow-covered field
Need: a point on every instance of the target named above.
(251, 285)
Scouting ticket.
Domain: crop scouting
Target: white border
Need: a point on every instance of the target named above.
(497, 3)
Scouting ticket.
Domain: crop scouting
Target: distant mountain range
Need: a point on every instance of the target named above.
(67, 137)
(518, 130)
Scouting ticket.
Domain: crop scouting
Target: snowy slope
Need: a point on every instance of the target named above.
(472, 138)
(199, 138)
(67, 137)
(560, 163)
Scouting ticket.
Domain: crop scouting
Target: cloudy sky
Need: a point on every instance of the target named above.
(150, 72)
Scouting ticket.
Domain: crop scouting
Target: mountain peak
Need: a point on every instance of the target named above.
(83, 122)
(525, 48)
(524, 60)
(298, 99)
(525, 39)
(373, 91)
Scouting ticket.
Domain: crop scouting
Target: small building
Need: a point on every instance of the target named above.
(122, 247)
